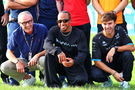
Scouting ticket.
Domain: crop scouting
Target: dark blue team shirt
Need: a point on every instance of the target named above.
(48, 8)
(101, 44)
(17, 40)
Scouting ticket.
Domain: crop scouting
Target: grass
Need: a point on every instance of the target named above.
(39, 85)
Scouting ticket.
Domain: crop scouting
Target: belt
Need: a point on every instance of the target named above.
(13, 20)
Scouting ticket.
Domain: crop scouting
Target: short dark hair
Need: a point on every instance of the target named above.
(108, 16)
(67, 13)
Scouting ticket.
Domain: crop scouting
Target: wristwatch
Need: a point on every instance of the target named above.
(116, 48)
(17, 61)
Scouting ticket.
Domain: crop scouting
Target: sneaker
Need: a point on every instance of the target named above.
(124, 84)
(5, 80)
(107, 83)
(64, 84)
(13, 82)
(29, 82)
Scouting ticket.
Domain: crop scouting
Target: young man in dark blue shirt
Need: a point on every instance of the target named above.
(29, 38)
(112, 53)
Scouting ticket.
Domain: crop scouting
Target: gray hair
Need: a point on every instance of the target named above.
(23, 13)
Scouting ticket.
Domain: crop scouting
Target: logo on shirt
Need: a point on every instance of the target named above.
(104, 43)
(117, 36)
(65, 43)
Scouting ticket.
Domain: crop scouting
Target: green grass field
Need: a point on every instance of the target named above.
(39, 85)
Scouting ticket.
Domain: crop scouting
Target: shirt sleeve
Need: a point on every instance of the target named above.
(82, 49)
(12, 43)
(125, 39)
(49, 44)
(96, 51)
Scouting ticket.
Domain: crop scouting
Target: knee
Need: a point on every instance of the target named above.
(127, 55)
(4, 67)
(98, 76)
(79, 81)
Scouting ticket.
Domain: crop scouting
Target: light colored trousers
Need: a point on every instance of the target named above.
(9, 68)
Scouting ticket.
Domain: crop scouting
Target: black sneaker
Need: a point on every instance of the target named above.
(5, 80)
(13, 82)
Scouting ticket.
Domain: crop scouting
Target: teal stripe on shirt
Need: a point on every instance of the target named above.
(130, 44)
(96, 59)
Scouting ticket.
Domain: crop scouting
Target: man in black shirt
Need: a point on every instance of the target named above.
(111, 53)
(66, 49)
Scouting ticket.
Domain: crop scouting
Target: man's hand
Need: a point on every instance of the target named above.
(61, 57)
(68, 62)
(110, 54)
(20, 67)
(118, 77)
(33, 61)
(4, 19)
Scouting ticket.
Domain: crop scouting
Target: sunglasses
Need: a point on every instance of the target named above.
(64, 21)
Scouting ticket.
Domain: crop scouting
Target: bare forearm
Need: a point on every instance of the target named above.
(42, 53)
(97, 6)
(14, 5)
(27, 3)
(121, 6)
(126, 48)
(59, 5)
(11, 56)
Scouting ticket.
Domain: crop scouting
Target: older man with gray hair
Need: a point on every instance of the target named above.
(30, 43)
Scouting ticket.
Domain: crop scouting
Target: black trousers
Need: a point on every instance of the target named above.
(3, 48)
(122, 62)
(76, 75)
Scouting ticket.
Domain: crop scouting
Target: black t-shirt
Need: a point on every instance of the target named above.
(74, 44)
(101, 44)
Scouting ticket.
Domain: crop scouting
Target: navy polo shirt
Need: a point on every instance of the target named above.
(18, 40)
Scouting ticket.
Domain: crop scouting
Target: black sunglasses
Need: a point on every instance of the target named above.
(64, 21)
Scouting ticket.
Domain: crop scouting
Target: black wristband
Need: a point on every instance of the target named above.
(116, 48)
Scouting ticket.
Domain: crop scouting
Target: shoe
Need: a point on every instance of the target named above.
(107, 83)
(29, 82)
(64, 84)
(91, 83)
(13, 82)
(124, 84)
(5, 80)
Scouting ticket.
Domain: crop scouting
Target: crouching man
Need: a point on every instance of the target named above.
(112, 53)
(29, 38)
(66, 49)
